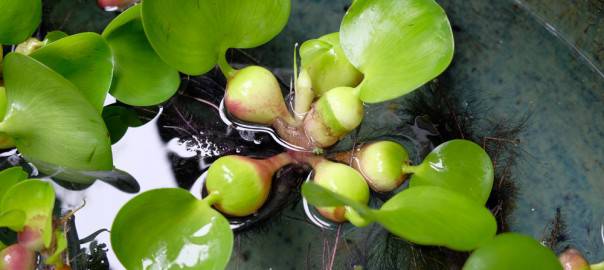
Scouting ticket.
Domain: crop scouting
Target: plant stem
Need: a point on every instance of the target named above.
(409, 169)
(227, 70)
(212, 198)
(306, 157)
(278, 161)
(357, 89)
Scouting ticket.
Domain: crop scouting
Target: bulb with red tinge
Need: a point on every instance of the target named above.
(17, 257)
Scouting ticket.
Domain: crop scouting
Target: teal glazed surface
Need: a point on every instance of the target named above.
(514, 59)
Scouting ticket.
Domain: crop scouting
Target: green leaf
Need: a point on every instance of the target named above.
(9, 177)
(398, 45)
(118, 119)
(435, 216)
(322, 197)
(14, 220)
(170, 229)
(192, 35)
(50, 121)
(85, 60)
(54, 36)
(512, 251)
(19, 20)
(458, 165)
(36, 199)
(141, 77)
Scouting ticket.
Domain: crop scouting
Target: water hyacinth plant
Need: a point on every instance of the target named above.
(52, 110)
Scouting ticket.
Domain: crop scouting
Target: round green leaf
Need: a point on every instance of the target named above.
(458, 165)
(432, 215)
(398, 45)
(9, 177)
(50, 121)
(85, 60)
(170, 229)
(19, 20)
(141, 77)
(36, 199)
(512, 251)
(192, 35)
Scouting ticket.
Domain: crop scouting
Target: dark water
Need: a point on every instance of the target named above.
(536, 63)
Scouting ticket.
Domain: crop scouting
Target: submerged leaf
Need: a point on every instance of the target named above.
(141, 77)
(54, 36)
(436, 216)
(36, 199)
(512, 251)
(193, 35)
(398, 45)
(50, 121)
(458, 165)
(170, 229)
(19, 20)
(85, 60)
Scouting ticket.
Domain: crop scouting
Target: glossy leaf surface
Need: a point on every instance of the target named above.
(141, 77)
(50, 120)
(397, 45)
(512, 251)
(193, 35)
(14, 220)
(171, 229)
(36, 199)
(19, 20)
(436, 216)
(85, 60)
(9, 177)
(458, 165)
(423, 215)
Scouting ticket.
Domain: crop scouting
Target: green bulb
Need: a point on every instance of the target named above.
(380, 163)
(343, 180)
(327, 65)
(334, 115)
(242, 184)
(253, 95)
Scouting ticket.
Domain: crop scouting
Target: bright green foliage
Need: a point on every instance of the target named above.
(512, 251)
(423, 215)
(327, 65)
(19, 20)
(436, 216)
(458, 165)
(85, 60)
(170, 229)
(14, 220)
(398, 45)
(50, 120)
(36, 199)
(141, 77)
(9, 177)
(193, 35)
